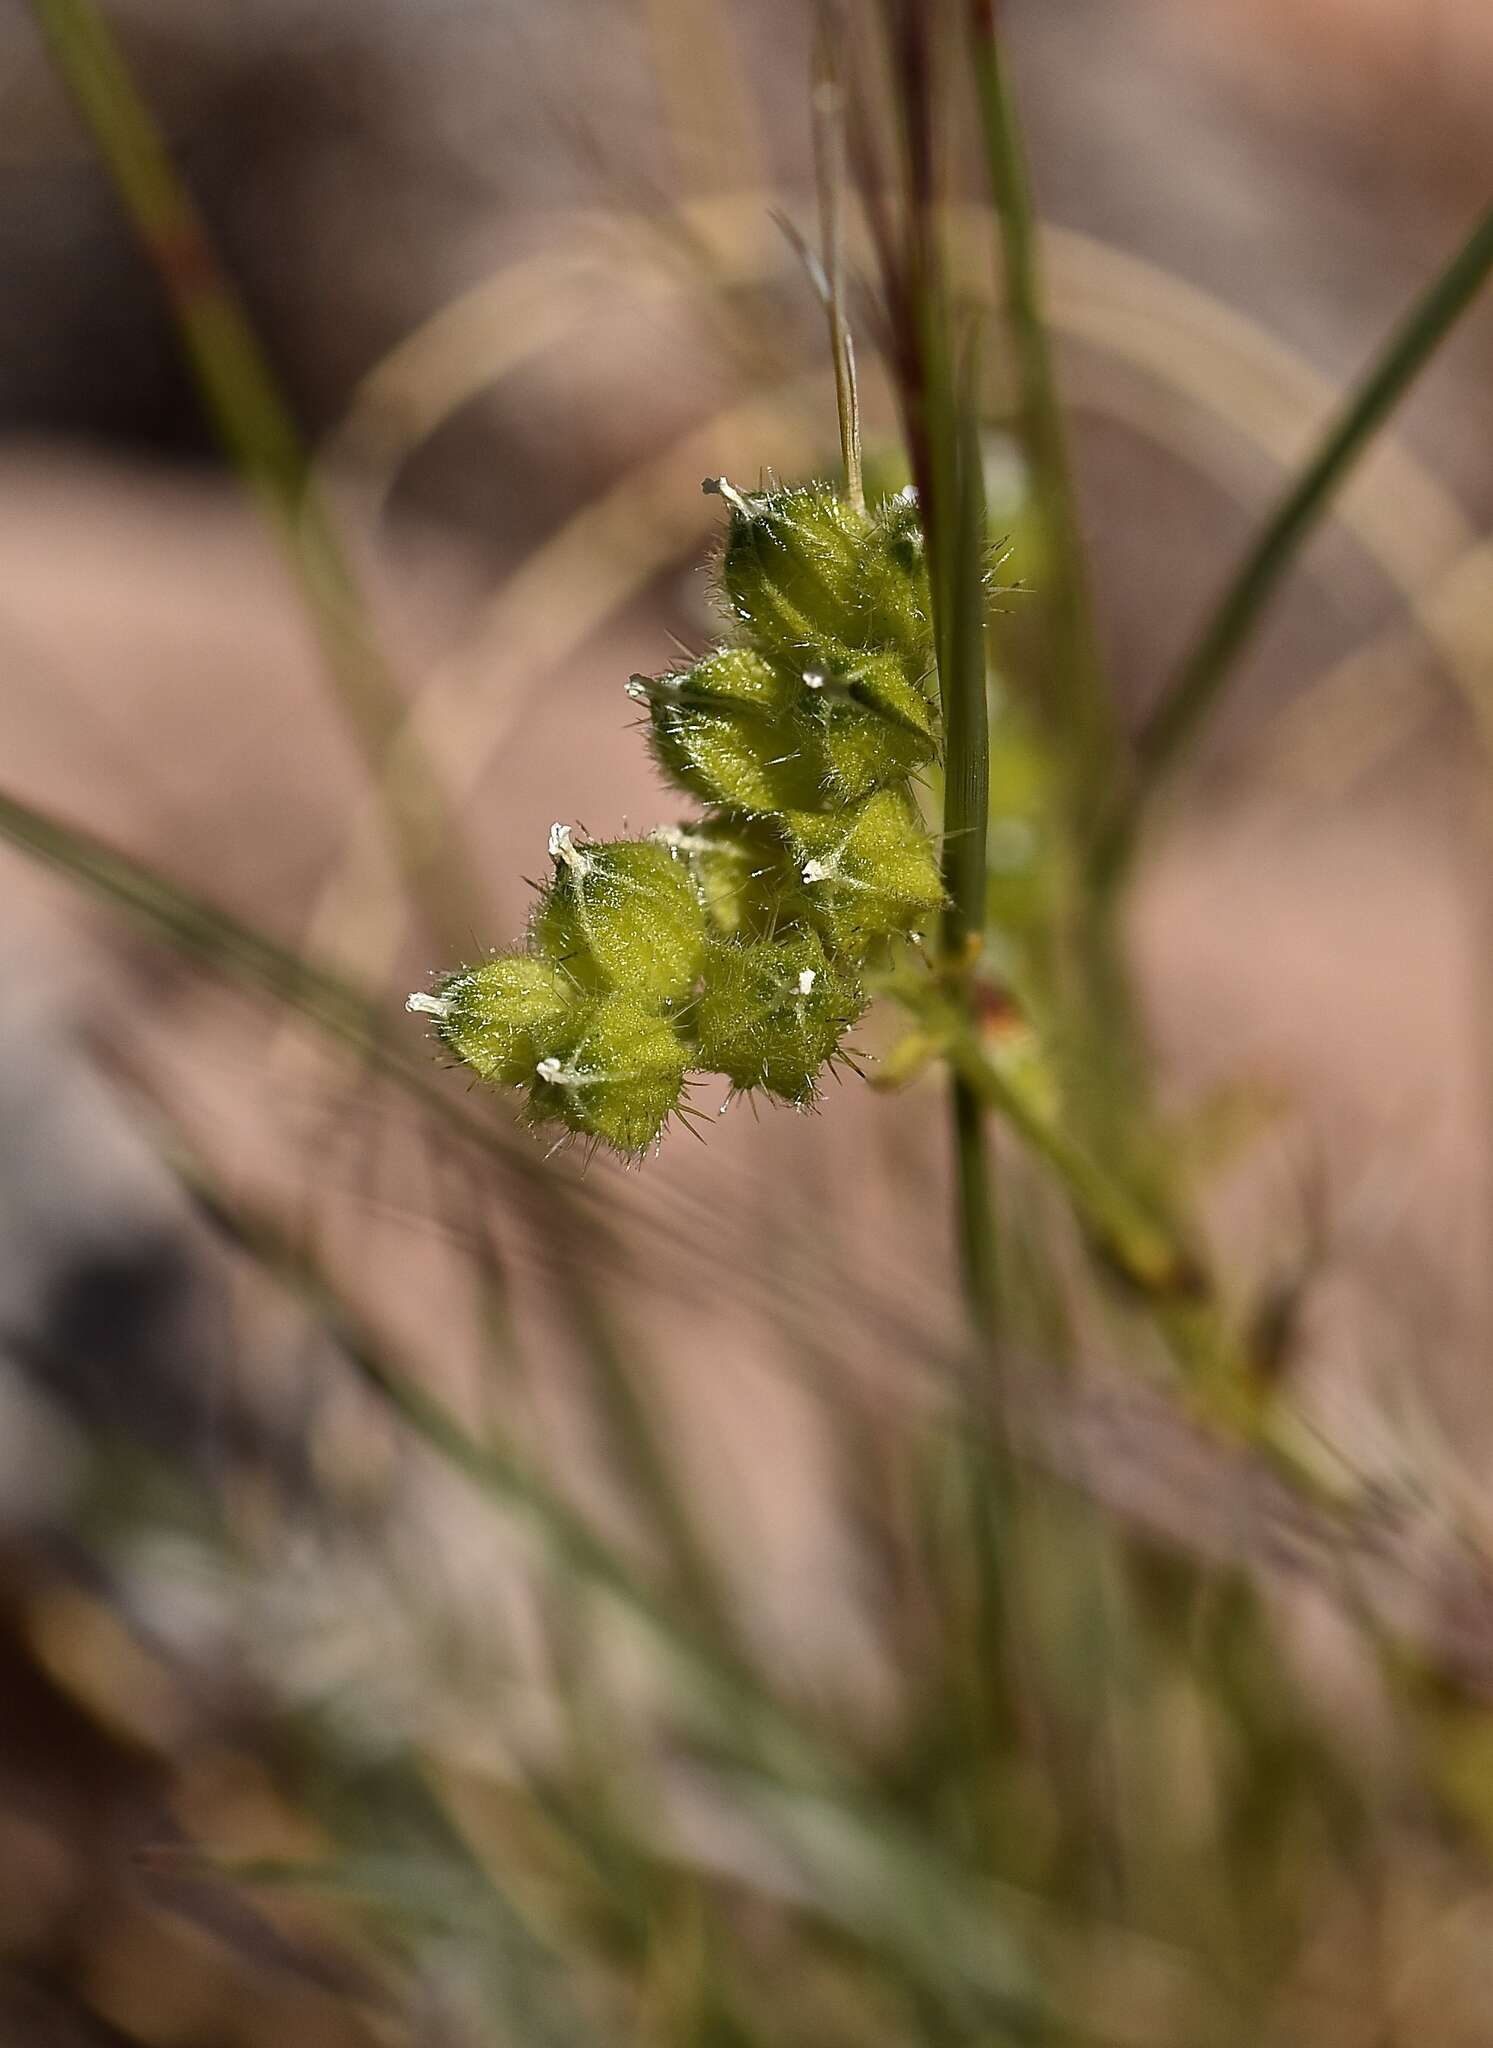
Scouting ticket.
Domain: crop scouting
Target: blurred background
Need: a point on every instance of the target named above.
(519, 277)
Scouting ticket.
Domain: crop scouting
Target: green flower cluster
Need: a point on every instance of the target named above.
(735, 945)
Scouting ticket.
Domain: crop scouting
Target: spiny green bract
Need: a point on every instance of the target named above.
(736, 944)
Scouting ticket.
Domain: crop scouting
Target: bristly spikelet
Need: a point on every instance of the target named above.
(621, 914)
(772, 1012)
(792, 569)
(742, 870)
(736, 945)
(715, 728)
(735, 677)
(505, 1016)
(877, 728)
(894, 591)
(734, 757)
(868, 871)
(619, 1076)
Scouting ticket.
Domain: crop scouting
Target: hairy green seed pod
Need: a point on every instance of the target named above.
(730, 730)
(503, 1017)
(804, 572)
(869, 870)
(732, 677)
(622, 914)
(619, 1078)
(772, 1012)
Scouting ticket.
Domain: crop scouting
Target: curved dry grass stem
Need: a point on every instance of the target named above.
(1185, 340)
(557, 599)
(1192, 345)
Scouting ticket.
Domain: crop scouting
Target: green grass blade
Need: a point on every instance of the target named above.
(1198, 686)
(200, 931)
(259, 437)
(966, 839)
(936, 397)
(1079, 703)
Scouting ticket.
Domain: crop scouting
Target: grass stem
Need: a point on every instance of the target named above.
(966, 822)
(935, 393)
(1077, 698)
(827, 99)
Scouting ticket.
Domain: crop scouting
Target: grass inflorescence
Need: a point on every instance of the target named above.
(736, 944)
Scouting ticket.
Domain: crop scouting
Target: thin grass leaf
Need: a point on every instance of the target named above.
(1076, 694)
(938, 414)
(259, 437)
(349, 1016)
(827, 101)
(1194, 693)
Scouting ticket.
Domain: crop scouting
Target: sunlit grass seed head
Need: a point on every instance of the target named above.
(623, 915)
(730, 676)
(877, 728)
(731, 729)
(772, 1013)
(803, 571)
(894, 605)
(735, 945)
(618, 1077)
(848, 724)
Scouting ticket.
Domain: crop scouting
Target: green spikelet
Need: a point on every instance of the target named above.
(869, 870)
(623, 914)
(502, 1018)
(772, 1012)
(743, 871)
(736, 944)
(732, 678)
(895, 606)
(877, 727)
(792, 569)
(719, 729)
(619, 1078)
(739, 759)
